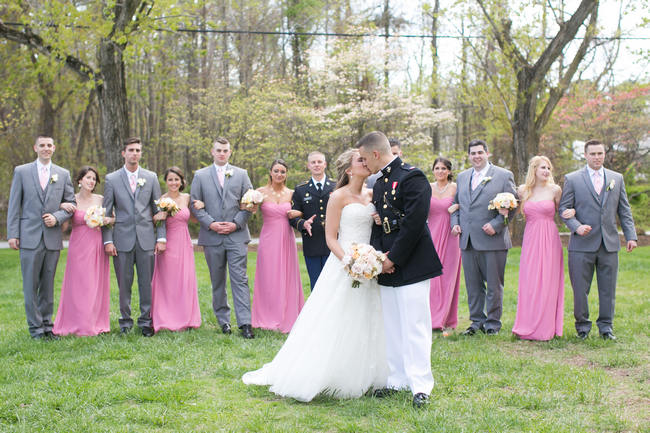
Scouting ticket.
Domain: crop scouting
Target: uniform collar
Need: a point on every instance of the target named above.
(322, 181)
(391, 165)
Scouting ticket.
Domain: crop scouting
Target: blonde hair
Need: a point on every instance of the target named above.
(343, 162)
(531, 177)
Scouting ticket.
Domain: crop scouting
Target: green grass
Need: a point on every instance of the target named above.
(190, 381)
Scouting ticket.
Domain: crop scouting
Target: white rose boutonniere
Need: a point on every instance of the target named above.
(54, 178)
(228, 172)
(141, 181)
(611, 185)
(486, 179)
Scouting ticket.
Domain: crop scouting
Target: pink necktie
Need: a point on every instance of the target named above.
(598, 182)
(475, 181)
(220, 176)
(42, 177)
(132, 182)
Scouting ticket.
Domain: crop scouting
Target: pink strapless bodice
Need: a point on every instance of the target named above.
(179, 219)
(539, 210)
(78, 218)
(438, 207)
(272, 212)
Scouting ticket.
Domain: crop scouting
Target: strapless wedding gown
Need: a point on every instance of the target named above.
(336, 347)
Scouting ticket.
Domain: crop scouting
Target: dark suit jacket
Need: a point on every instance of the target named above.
(309, 201)
(403, 195)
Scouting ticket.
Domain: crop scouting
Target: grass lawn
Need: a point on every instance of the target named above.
(190, 381)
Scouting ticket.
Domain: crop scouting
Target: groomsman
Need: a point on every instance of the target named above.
(224, 234)
(402, 196)
(598, 196)
(484, 237)
(311, 199)
(130, 192)
(34, 219)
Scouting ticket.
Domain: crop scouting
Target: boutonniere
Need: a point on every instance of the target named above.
(228, 172)
(54, 178)
(486, 179)
(611, 185)
(141, 181)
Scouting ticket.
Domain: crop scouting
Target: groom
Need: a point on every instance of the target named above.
(401, 196)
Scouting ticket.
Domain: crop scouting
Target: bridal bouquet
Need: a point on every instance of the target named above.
(95, 217)
(362, 262)
(503, 201)
(251, 198)
(167, 204)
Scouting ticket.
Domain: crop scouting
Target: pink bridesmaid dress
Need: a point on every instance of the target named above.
(277, 295)
(85, 295)
(444, 289)
(174, 297)
(540, 303)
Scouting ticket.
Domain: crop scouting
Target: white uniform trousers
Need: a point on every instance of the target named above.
(407, 320)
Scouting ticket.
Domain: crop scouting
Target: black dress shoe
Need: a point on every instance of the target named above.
(469, 331)
(420, 399)
(50, 335)
(125, 330)
(383, 392)
(609, 335)
(225, 328)
(583, 335)
(147, 331)
(491, 332)
(38, 337)
(247, 331)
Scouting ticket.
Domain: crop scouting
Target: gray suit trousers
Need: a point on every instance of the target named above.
(38, 267)
(481, 267)
(235, 255)
(581, 272)
(123, 264)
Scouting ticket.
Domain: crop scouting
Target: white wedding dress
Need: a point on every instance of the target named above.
(336, 347)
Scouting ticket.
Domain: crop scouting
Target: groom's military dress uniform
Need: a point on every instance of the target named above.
(310, 200)
(402, 198)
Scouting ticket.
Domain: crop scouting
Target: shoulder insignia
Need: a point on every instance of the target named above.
(302, 183)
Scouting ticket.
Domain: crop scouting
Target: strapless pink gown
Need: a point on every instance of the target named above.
(85, 295)
(277, 294)
(540, 303)
(444, 289)
(174, 298)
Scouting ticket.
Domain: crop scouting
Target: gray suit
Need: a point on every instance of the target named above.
(39, 245)
(222, 204)
(484, 256)
(599, 248)
(134, 238)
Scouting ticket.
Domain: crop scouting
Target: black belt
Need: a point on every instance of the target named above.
(390, 225)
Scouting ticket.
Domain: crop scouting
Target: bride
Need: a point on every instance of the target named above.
(336, 347)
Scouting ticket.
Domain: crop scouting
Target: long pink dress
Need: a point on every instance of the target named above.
(85, 294)
(174, 298)
(444, 289)
(540, 303)
(277, 295)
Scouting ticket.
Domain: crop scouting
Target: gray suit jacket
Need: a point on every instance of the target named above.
(221, 204)
(133, 212)
(597, 211)
(473, 212)
(28, 202)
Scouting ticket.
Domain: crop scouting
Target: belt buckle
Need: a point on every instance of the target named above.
(386, 226)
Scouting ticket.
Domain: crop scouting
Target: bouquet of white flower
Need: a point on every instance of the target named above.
(251, 198)
(362, 262)
(504, 201)
(95, 217)
(167, 204)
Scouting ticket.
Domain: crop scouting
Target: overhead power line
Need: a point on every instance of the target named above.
(340, 35)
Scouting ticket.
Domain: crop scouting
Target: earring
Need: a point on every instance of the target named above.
(78, 185)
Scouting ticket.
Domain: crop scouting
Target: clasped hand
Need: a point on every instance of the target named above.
(223, 227)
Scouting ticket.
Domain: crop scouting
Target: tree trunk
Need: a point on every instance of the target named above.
(113, 103)
(435, 87)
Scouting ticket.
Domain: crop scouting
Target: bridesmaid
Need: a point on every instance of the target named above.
(174, 297)
(540, 303)
(85, 295)
(277, 295)
(444, 289)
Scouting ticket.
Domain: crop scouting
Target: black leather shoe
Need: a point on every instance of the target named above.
(609, 335)
(420, 400)
(247, 331)
(125, 330)
(147, 331)
(38, 337)
(50, 335)
(383, 392)
(583, 335)
(469, 332)
(225, 328)
(491, 332)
